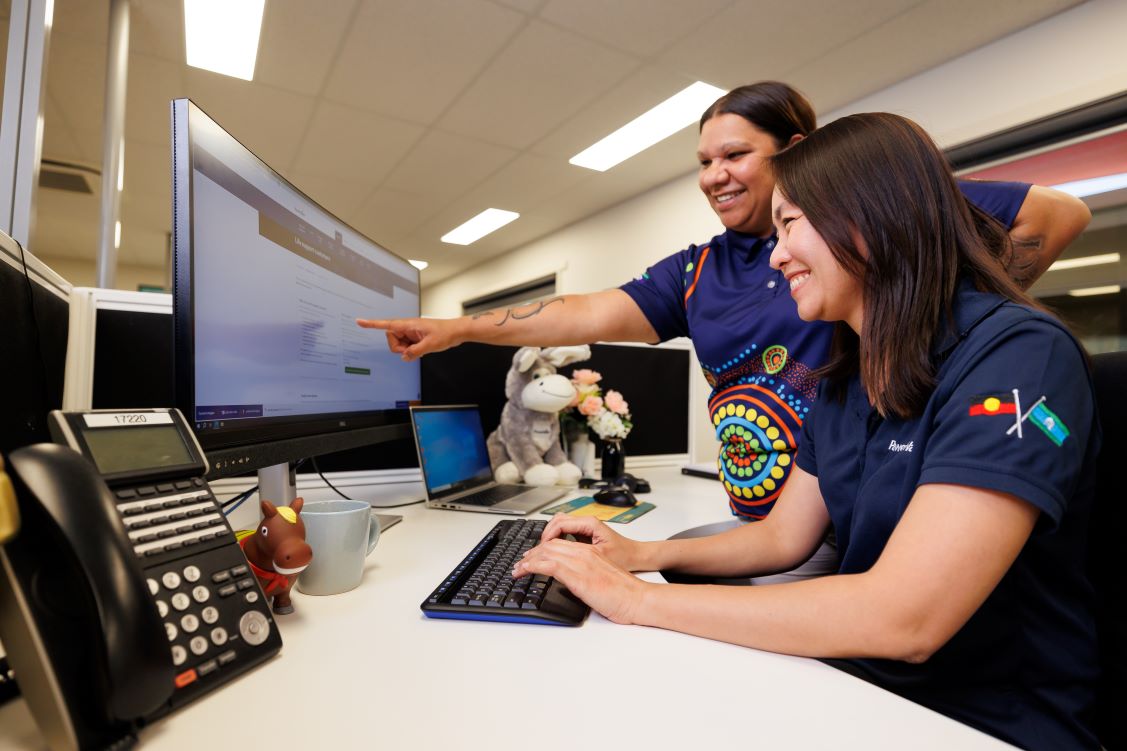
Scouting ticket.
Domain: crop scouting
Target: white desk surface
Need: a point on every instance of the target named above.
(366, 669)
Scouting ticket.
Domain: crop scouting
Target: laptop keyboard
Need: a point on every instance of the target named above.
(481, 587)
(491, 496)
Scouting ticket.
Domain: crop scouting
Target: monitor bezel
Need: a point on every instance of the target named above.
(269, 440)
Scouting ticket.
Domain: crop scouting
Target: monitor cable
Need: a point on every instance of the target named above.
(317, 469)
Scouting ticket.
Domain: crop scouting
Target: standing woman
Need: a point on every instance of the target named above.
(756, 354)
(951, 447)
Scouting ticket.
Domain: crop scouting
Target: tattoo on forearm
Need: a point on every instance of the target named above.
(476, 316)
(516, 315)
(1025, 259)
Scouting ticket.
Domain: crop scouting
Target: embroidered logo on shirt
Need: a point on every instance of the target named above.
(774, 358)
(1000, 404)
(898, 447)
(1041, 416)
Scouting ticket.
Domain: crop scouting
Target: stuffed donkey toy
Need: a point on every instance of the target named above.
(526, 445)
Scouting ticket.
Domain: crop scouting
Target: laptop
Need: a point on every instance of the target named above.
(455, 465)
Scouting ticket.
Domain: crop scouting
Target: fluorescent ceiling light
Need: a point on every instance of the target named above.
(481, 225)
(420, 265)
(1110, 289)
(222, 35)
(117, 234)
(678, 111)
(1094, 185)
(1075, 263)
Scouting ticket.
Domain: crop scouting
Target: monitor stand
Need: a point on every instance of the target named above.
(278, 484)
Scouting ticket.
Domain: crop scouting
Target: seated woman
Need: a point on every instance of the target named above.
(951, 446)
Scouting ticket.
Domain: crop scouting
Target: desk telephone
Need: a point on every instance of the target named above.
(124, 594)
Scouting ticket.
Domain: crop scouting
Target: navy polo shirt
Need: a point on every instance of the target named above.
(756, 353)
(1012, 411)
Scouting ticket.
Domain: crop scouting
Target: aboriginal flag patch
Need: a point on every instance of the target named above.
(993, 404)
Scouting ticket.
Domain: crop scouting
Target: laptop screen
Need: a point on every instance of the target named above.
(452, 453)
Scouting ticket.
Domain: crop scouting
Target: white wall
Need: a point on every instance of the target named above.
(1067, 60)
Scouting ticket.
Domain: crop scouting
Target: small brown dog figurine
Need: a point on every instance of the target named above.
(277, 551)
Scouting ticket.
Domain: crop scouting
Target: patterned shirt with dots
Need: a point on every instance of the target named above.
(756, 353)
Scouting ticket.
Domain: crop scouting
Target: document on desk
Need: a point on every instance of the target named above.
(586, 506)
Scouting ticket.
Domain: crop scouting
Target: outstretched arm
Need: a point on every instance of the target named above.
(610, 315)
(947, 554)
(1046, 223)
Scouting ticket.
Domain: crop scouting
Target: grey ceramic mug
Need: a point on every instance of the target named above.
(342, 534)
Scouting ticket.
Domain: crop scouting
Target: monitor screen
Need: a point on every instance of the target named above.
(268, 285)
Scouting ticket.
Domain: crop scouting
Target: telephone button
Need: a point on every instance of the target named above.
(227, 657)
(220, 576)
(219, 636)
(189, 623)
(227, 591)
(162, 608)
(188, 676)
(179, 655)
(171, 502)
(171, 631)
(198, 645)
(201, 594)
(165, 487)
(146, 490)
(197, 481)
(171, 579)
(126, 493)
(210, 615)
(173, 546)
(253, 627)
(183, 484)
(192, 573)
(146, 538)
(181, 601)
(154, 588)
(246, 584)
(251, 597)
(154, 507)
(207, 668)
(239, 570)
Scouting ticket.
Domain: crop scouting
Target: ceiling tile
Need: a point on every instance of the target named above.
(606, 113)
(151, 85)
(389, 215)
(413, 59)
(544, 76)
(353, 145)
(268, 121)
(156, 29)
(58, 137)
(76, 79)
(81, 19)
(632, 25)
(317, 29)
(442, 166)
(528, 181)
(147, 173)
(924, 36)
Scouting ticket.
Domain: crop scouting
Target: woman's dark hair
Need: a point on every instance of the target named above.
(883, 198)
(775, 108)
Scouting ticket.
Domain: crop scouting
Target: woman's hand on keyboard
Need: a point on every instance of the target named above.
(586, 571)
(619, 550)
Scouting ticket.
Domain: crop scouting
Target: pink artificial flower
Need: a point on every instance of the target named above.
(586, 376)
(590, 406)
(616, 404)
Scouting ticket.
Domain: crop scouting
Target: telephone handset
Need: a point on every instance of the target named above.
(124, 594)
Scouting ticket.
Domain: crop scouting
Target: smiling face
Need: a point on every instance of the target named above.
(821, 287)
(734, 175)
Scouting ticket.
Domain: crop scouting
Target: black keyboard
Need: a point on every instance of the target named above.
(482, 587)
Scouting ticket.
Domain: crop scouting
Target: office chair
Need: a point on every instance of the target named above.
(1105, 566)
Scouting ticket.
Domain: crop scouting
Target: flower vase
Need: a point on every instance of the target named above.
(581, 453)
(614, 459)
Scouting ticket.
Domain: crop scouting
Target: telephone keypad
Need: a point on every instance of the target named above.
(198, 645)
(192, 573)
(210, 615)
(179, 655)
(162, 608)
(219, 636)
(190, 623)
(154, 588)
(201, 594)
(180, 601)
(171, 631)
(171, 579)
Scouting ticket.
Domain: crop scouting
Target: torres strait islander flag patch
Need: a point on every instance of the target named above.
(993, 404)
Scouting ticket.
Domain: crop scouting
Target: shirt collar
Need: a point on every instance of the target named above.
(968, 308)
(747, 244)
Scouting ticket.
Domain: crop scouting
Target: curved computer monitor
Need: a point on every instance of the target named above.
(270, 366)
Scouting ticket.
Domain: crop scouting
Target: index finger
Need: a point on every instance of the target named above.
(562, 524)
(373, 323)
